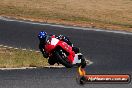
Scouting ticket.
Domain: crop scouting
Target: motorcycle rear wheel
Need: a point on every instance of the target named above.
(51, 61)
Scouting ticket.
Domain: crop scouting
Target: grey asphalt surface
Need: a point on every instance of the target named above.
(109, 52)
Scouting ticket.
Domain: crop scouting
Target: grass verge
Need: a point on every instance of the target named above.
(10, 58)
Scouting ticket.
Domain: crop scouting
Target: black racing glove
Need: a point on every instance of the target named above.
(65, 39)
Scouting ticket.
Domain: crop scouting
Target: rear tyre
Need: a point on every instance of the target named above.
(51, 61)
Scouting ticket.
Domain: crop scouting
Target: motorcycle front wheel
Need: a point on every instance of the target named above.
(63, 59)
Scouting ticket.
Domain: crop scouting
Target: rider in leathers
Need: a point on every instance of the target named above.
(42, 37)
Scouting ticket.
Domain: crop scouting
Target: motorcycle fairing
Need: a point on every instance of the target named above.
(68, 49)
(53, 42)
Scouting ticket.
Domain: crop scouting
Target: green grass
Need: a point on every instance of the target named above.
(10, 58)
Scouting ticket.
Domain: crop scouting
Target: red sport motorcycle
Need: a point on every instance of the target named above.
(62, 53)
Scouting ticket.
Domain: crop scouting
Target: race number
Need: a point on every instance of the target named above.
(54, 41)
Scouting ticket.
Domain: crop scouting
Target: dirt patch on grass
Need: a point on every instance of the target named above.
(107, 14)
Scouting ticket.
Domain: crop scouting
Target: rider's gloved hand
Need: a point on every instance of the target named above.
(65, 39)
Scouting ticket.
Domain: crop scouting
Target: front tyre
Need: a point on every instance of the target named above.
(62, 58)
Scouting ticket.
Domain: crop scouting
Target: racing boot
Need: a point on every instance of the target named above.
(83, 61)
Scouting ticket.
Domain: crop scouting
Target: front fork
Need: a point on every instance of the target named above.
(79, 60)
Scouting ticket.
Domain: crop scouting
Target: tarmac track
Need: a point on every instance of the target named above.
(110, 52)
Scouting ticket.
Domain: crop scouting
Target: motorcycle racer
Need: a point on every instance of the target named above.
(43, 36)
